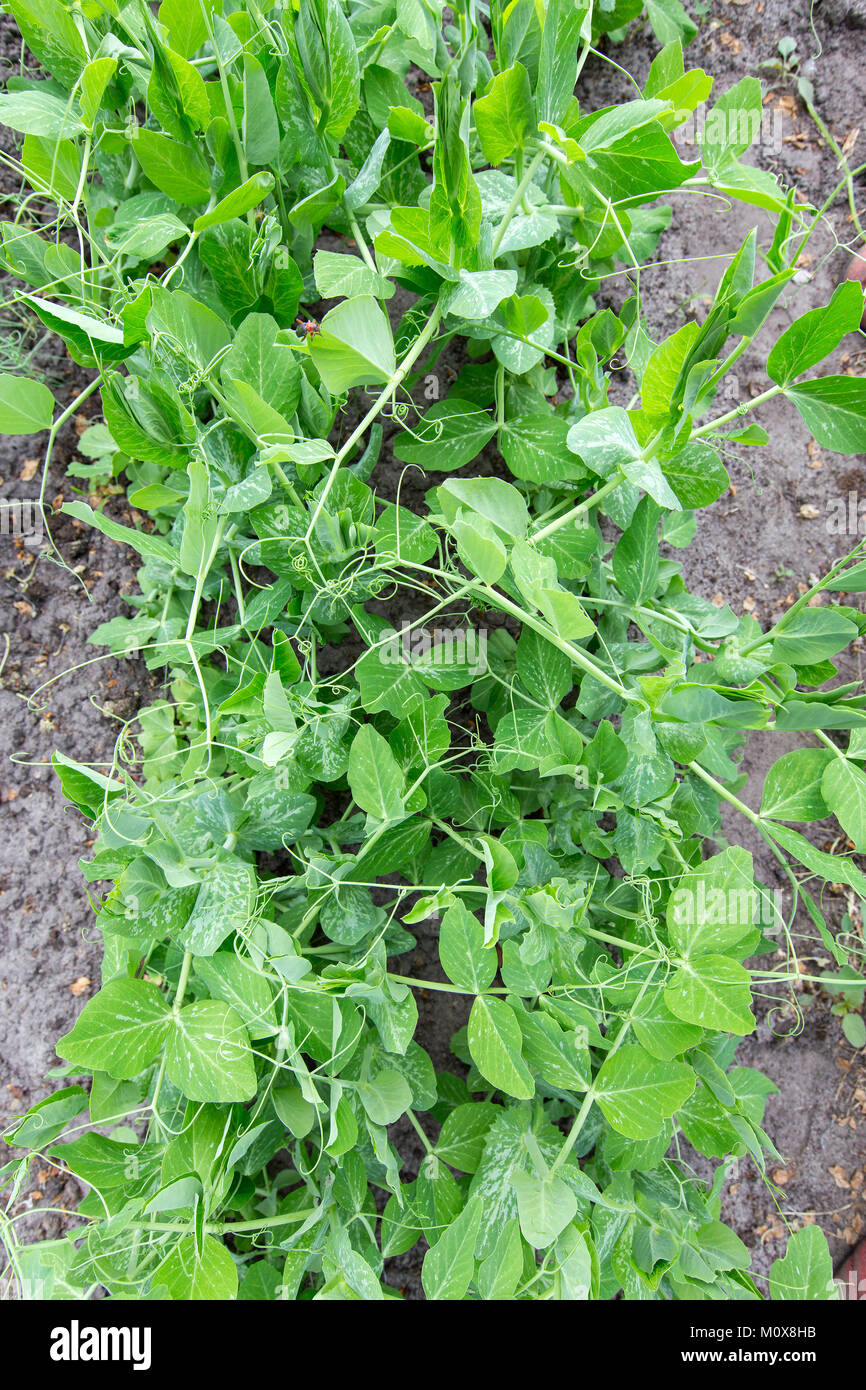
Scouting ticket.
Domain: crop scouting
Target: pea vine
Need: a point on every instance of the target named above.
(271, 234)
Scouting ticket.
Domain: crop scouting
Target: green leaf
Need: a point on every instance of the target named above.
(235, 981)
(152, 547)
(495, 1044)
(82, 332)
(480, 547)
(146, 237)
(449, 1266)
(843, 787)
(816, 334)
(545, 1206)
(565, 24)
(491, 498)
(48, 1118)
(401, 533)
(662, 371)
(224, 904)
(465, 959)
(500, 1274)
(636, 557)
(369, 176)
(696, 474)
(181, 171)
(26, 407)
(87, 789)
(560, 1057)
(670, 20)
(526, 317)
(198, 1270)
(388, 682)
(461, 1140)
(503, 116)
(535, 576)
(451, 434)
(805, 1273)
(260, 129)
(199, 520)
(834, 408)
(104, 1163)
(259, 362)
(386, 1097)
(732, 123)
(186, 24)
(477, 293)
(637, 1093)
(638, 163)
(53, 164)
(455, 203)
(120, 1030)
(713, 905)
(40, 113)
(51, 33)
(811, 635)
(659, 1031)
(792, 787)
(208, 1054)
(296, 1113)
(535, 447)
(506, 1151)
(374, 775)
(238, 202)
(543, 669)
(835, 868)
(713, 992)
(354, 346)
(605, 441)
(340, 276)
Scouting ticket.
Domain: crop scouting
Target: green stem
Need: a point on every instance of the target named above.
(738, 412)
(522, 186)
(288, 1218)
(578, 657)
(580, 1117)
(411, 1117)
(381, 400)
(828, 136)
(581, 508)
(721, 790)
(801, 602)
(444, 988)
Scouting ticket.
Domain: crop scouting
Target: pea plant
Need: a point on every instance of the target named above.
(493, 725)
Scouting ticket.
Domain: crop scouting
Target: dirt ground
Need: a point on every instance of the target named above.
(754, 547)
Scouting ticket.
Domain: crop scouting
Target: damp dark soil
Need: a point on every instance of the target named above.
(756, 548)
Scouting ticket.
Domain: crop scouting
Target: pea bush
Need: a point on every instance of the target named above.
(500, 714)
